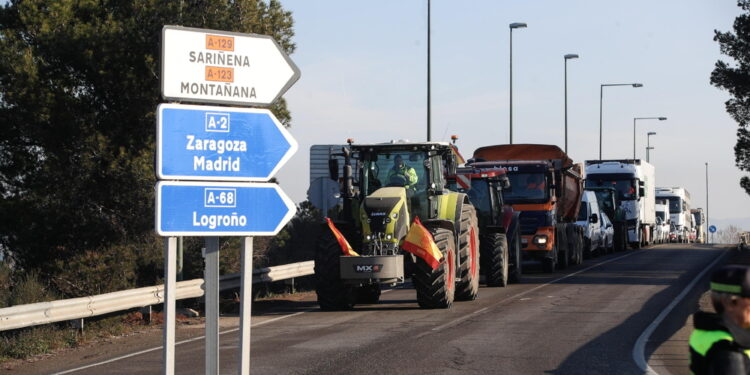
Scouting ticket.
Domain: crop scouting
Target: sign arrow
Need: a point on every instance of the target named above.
(221, 209)
(212, 66)
(220, 143)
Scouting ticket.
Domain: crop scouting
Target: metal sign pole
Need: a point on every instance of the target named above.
(246, 303)
(170, 290)
(211, 277)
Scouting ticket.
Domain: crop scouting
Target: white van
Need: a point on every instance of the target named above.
(589, 220)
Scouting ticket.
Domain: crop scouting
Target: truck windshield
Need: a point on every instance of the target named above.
(662, 215)
(675, 205)
(526, 188)
(626, 186)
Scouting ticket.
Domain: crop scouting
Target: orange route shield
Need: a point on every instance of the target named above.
(419, 242)
(345, 247)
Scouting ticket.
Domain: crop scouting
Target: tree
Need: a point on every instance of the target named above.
(79, 87)
(735, 78)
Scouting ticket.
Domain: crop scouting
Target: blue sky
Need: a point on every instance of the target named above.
(363, 67)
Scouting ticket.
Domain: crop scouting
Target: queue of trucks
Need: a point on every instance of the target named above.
(420, 212)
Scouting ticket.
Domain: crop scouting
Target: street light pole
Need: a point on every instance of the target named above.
(429, 101)
(601, 99)
(643, 118)
(707, 226)
(515, 25)
(648, 145)
(567, 57)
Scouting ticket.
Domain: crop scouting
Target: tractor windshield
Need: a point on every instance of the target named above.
(398, 168)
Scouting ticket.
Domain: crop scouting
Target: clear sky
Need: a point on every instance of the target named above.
(364, 71)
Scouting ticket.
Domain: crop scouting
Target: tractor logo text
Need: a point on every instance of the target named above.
(372, 268)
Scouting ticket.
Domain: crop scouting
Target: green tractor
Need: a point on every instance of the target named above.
(389, 186)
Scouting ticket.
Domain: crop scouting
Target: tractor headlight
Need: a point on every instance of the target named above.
(540, 240)
(387, 220)
(368, 237)
(395, 216)
(388, 236)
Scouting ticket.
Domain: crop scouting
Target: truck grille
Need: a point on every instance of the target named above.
(531, 220)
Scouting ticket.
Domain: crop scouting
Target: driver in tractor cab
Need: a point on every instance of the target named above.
(402, 171)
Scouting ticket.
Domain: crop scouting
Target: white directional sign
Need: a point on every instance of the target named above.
(212, 66)
(197, 142)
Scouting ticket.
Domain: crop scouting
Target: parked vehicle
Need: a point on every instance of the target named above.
(679, 210)
(371, 242)
(546, 187)
(661, 231)
(589, 219)
(609, 203)
(499, 228)
(634, 181)
(608, 233)
(700, 224)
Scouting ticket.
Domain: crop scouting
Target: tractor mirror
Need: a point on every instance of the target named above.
(333, 169)
(594, 218)
(505, 182)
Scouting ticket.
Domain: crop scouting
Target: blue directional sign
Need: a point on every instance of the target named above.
(712, 229)
(202, 143)
(221, 209)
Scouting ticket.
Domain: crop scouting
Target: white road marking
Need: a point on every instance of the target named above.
(515, 296)
(639, 349)
(183, 342)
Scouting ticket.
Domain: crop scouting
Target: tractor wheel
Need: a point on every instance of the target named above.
(333, 294)
(468, 253)
(436, 288)
(368, 294)
(516, 268)
(494, 249)
(563, 251)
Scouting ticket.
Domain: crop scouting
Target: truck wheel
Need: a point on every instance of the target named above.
(548, 265)
(333, 293)
(494, 249)
(468, 253)
(516, 268)
(574, 244)
(563, 251)
(436, 288)
(368, 294)
(588, 253)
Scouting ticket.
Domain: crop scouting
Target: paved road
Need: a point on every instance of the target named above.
(583, 320)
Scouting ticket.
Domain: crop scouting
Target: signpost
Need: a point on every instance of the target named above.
(212, 66)
(213, 163)
(712, 229)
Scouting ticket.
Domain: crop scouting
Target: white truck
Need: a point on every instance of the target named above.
(661, 232)
(635, 182)
(679, 210)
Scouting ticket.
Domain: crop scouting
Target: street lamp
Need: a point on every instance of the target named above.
(601, 99)
(567, 57)
(706, 225)
(514, 25)
(648, 144)
(643, 118)
(429, 101)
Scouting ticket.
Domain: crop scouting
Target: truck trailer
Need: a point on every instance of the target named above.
(634, 181)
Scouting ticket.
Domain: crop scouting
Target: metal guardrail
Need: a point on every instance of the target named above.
(85, 307)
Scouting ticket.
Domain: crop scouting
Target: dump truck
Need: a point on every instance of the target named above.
(609, 202)
(635, 182)
(546, 188)
(499, 230)
(400, 192)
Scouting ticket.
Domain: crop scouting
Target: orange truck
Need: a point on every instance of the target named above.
(546, 187)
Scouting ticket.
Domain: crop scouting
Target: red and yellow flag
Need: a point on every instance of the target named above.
(345, 247)
(419, 242)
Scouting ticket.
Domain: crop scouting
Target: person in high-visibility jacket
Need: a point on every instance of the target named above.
(720, 343)
(401, 170)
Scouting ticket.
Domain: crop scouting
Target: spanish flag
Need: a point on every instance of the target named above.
(345, 247)
(419, 242)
